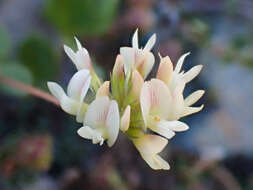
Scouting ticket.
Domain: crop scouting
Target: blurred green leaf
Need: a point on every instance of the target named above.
(4, 43)
(39, 57)
(18, 72)
(79, 17)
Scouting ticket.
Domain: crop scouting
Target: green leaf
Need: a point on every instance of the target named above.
(39, 57)
(18, 72)
(79, 17)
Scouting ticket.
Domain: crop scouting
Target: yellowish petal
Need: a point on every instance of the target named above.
(125, 119)
(165, 70)
(194, 97)
(104, 89)
(191, 110)
(192, 73)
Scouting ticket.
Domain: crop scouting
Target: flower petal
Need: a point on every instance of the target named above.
(104, 89)
(192, 73)
(79, 84)
(150, 144)
(178, 102)
(79, 45)
(146, 64)
(97, 112)
(155, 162)
(135, 43)
(71, 54)
(165, 70)
(155, 98)
(125, 119)
(194, 97)
(176, 126)
(163, 130)
(67, 104)
(129, 58)
(180, 62)
(151, 42)
(137, 82)
(112, 123)
(191, 110)
(89, 133)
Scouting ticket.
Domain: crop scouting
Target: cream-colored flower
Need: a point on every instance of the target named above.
(101, 122)
(138, 58)
(176, 80)
(73, 101)
(149, 147)
(156, 105)
(80, 58)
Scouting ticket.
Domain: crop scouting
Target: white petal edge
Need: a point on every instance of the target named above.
(67, 104)
(192, 73)
(194, 97)
(77, 83)
(163, 130)
(180, 62)
(191, 110)
(176, 126)
(135, 41)
(113, 123)
(151, 42)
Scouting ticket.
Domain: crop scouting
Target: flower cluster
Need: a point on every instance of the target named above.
(148, 112)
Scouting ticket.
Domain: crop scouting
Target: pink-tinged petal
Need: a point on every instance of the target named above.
(192, 73)
(104, 89)
(145, 102)
(89, 133)
(147, 64)
(113, 123)
(194, 97)
(125, 119)
(79, 84)
(165, 70)
(135, 41)
(129, 58)
(162, 130)
(157, 96)
(137, 82)
(150, 144)
(191, 110)
(176, 126)
(97, 112)
(180, 62)
(151, 42)
(178, 101)
(118, 69)
(67, 104)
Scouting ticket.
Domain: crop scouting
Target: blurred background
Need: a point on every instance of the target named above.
(39, 146)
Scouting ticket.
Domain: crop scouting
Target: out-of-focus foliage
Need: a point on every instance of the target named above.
(79, 17)
(16, 71)
(4, 43)
(37, 54)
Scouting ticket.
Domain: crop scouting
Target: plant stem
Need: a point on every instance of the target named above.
(29, 89)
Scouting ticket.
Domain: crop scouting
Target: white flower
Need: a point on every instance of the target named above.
(73, 101)
(80, 58)
(156, 105)
(149, 146)
(176, 80)
(137, 58)
(101, 121)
